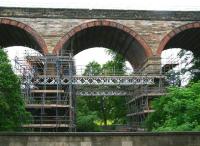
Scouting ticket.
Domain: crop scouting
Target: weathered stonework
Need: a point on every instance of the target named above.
(52, 30)
(100, 139)
(52, 24)
(153, 28)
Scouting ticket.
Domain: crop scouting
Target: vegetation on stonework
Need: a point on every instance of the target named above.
(95, 111)
(12, 108)
(179, 110)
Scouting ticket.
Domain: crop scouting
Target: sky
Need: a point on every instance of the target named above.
(183, 5)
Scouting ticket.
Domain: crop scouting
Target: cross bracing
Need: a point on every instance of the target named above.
(96, 80)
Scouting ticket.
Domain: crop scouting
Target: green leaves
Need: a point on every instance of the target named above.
(86, 117)
(93, 69)
(179, 110)
(12, 108)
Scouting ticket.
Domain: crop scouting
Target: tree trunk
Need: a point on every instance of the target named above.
(103, 111)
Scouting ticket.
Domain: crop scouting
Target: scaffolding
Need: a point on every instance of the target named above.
(139, 102)
(52, 106)
(50, 86)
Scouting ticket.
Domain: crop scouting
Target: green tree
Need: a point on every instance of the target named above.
(85, 117)
(116, 106)
(107, 108)
(12, 108)
(95, 104)
(179, 110)
(116, 66)
(92, 69)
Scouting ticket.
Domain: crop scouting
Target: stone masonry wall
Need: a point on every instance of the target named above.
(100, 139)
(52, 30)
(52, 24)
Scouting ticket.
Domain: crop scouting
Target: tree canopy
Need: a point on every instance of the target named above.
(12, 107)
(179, 110)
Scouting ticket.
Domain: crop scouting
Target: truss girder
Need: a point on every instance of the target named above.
(95, 80)
(102, 93)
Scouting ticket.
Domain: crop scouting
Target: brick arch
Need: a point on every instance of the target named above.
(173, 33)
(136, 36)
(28, 30)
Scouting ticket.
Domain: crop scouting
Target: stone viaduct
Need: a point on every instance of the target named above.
(140, 36)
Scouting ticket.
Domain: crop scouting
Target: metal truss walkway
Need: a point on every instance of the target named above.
(97, 80)
(99, 85)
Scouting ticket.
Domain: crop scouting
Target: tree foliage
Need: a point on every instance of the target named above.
(102, 109)
(191, 64)
(179, 110)
(12, 108)
(85, 117)
(115, 66)
(188, 69)
(195, 68)
(92, 69)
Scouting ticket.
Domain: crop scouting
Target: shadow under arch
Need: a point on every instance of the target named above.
(185, 37)
(15, 33)
(107, 34)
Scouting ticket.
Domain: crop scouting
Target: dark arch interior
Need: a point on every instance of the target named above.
(14, 36)
(107, 37)
(188, 39)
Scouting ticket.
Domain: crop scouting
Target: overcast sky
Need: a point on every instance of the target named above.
(108, 4)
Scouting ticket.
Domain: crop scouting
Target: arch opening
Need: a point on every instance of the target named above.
(184, 37)
(14, 33)
(177, 65)
(84, 58)
(18, 56)
(109, 35)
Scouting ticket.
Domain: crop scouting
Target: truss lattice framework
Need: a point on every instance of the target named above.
(103, 93)
(95, 80)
